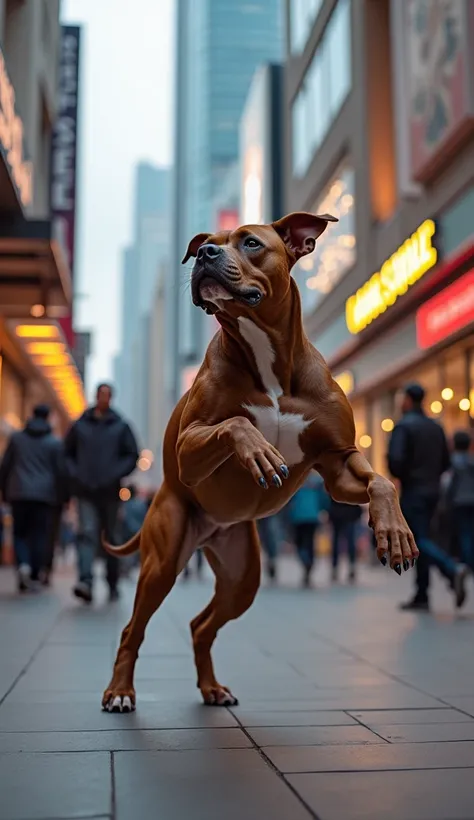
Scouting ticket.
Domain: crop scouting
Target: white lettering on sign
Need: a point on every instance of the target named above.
(64, 143)
(11, 138)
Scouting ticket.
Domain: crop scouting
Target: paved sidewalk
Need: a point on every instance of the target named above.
(349, 709)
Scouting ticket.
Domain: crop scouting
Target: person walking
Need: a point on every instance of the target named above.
(304, 513)
(269, 535)
(100, 451)
(418, 456)
(132, 517)
(344, 519)
(31, 477)
(460, 495)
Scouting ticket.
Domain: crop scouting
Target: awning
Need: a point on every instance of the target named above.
(45, 346)
(34, 274)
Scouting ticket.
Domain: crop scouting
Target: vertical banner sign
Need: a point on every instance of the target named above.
(64, 155)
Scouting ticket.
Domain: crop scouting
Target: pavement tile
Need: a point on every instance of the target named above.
(54, 786)
(63, 717)
(293, 718)
(313, 735)
(396, 716)
(421, 795)
(387, 756)
(125, 740)
(204, 785)
(427, 732)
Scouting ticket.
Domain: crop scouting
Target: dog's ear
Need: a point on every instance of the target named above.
(194, 245)
(299, 231)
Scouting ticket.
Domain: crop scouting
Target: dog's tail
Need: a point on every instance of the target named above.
(131, 546)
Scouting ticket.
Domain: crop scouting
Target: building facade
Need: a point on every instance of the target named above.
(220, 43)
(380, 133)
(36, 362)
(141, 263)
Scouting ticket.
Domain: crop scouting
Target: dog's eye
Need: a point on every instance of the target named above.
(252, 243)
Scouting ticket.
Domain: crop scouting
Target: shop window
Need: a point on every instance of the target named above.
(318, 273)
(325, 87)
(303, 14)
(454, 390)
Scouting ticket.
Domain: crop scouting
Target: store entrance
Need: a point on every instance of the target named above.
(448, 379)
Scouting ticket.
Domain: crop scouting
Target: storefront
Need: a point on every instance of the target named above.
(36, 366)
(35, 290)
(413, 320)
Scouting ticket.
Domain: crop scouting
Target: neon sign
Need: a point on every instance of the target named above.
(405, 267)
(11, 139)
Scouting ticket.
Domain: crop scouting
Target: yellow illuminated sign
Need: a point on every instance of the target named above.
(405, 267)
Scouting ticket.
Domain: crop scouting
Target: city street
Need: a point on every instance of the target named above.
(349, 710)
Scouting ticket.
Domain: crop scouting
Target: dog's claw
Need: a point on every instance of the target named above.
(397, 568)
(276, 481)
(119, 704)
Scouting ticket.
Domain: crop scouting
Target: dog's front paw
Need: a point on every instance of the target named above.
(114, 701)
(218, 695)
(395, 542)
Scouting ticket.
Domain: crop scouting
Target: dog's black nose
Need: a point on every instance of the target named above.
(209, 252)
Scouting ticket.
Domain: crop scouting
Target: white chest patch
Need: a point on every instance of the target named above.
(283, 430)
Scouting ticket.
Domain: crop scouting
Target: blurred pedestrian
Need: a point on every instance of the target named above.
(269, 534)
(31, 475)
(418, 456)
(133, 515)
(100, 451)
(460, 495)
(304, 511)
(344, 519)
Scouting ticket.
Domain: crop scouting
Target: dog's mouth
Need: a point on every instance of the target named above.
(211, 291)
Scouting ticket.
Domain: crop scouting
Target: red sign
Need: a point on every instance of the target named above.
(447, 312)
(227, 220)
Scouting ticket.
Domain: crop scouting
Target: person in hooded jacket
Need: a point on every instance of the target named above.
(31, 475)
(100, 451)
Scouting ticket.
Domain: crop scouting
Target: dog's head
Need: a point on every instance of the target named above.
(245, 268)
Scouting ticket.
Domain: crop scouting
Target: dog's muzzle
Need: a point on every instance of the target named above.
(211, 270)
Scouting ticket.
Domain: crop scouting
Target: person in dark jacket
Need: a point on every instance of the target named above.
(460, 495)
(100, 451)
(418, 456)
(344, 519)
(31, 474)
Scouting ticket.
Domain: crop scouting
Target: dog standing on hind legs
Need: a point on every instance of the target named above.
(263, 411)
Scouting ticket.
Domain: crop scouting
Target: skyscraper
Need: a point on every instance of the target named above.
(141, 263)
(220, 43)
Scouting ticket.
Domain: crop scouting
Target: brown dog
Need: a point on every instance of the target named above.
(262, 412)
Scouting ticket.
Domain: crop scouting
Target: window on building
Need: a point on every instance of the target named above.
(318, 273)
(325, 87)
(303, 14)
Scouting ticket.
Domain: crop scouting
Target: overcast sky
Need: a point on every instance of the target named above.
(126, 115)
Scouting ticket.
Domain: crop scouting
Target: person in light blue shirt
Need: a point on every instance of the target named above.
(305, 510)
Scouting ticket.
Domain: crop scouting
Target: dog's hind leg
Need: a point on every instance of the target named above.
(162, 543)
(234, 556)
